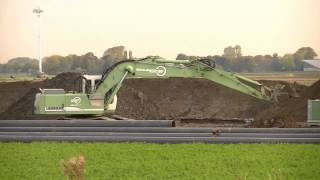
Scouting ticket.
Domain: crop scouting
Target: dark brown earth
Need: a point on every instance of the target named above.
(201, 99)
(17, 98)
(289, 111)
(177, 98)
(173, 98)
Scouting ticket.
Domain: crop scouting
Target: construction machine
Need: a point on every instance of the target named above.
(100, 98)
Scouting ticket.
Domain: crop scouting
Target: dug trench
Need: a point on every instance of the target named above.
(173, 98)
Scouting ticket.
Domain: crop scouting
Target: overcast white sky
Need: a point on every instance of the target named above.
(162, 27)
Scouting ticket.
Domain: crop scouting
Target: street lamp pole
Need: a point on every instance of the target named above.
(38, 11)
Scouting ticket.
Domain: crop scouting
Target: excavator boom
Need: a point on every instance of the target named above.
(102, 98)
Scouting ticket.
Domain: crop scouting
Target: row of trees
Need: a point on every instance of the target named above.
(231, 60)
(55, 64)
(20, 65)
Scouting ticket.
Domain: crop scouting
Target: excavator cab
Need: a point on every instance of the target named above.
(89, 85)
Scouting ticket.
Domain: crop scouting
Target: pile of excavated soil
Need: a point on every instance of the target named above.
(288, 112)
(17, 98)
(173, 98)
(13, 91)
(178, 98)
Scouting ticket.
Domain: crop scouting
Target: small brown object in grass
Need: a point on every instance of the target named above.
(74, 168)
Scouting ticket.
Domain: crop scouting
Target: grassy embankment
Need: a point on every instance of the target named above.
(19, 77)
(304, 78)
(152, 161)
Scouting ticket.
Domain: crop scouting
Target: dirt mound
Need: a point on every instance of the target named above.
(177, 98)
(288, 112)
(11, 92)
(173, 98)
(313, 92)
(19, 96)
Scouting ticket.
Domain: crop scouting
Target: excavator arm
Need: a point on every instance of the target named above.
(103, 98)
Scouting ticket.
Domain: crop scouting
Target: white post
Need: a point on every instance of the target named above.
(40, 46)
(38, 11)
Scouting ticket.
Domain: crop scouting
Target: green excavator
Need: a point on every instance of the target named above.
(100, 98)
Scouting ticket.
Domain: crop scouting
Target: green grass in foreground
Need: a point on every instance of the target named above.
(152, 161)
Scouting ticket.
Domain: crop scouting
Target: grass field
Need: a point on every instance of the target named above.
(304, 78)
(19, 77)
(152, 161)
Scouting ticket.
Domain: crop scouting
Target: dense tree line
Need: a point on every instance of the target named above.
(55, 64)
(231, 60)
(87, 63)
(20, 65)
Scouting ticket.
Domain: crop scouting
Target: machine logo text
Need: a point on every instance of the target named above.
(159, 71)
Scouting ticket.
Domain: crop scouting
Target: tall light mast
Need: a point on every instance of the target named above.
(38, 11)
